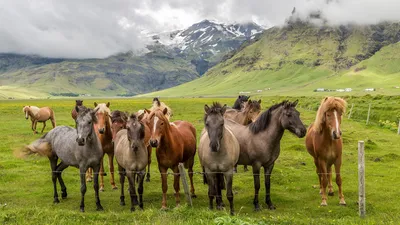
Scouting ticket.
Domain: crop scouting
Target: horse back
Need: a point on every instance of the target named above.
(44, 114)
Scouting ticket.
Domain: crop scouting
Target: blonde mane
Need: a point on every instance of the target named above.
(327, 104)
(102, 108)
(161, 107)
(34, 109)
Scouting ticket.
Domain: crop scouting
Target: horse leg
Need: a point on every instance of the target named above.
(220, 184)
(102, 174)
(164, 185)
(111, 165)
(338, 163)
(89, 175)
(235, 169)
(53, 121)
(330, 186)
(140, 189)
(44, 125)
(132, 190)
(190, 171)
(245, 168)
(267, 181)
(211, 188)
(324, 180)
(34, 127)
(33, 123)
(62, 166)
(149, 149)
(256, 176)
(229, 194)
(53, 165)
(83, 187)
(121, 172)
(96, 170)
(176, 186)
(318, 174)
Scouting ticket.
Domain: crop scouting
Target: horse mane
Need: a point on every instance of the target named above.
(265, 118)
(118, 116)
(157, 104)
(83, 111)
(102, 108)
(327, 104)
(215, 108)
(32, 108)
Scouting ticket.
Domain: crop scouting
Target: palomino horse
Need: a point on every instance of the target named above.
(249, 113)
(132, 157)
(218, 153)
(260, 142)
(78, 147)
(39, 115)
(174, 142)
(239, 102)
(103, 131)
(74, 113)
(324, 143)
(157, 104)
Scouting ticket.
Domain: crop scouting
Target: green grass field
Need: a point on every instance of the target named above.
(26, 192)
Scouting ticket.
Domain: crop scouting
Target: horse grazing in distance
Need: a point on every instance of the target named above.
(249, 113)
(260, 142)
(74, 113)
(218, 153)
(157, 104)
(131, 154)
(175, 143)
(239, 102)
(39, 115)
(324, 143)
(78, 147)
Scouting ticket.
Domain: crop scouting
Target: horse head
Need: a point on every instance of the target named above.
(214, 124)
(26, 111)
(252, 110)
(84, 124)
(159, 124)
(135, 132)
(78, 102)
(103, 116)
(330, 115)
(290, 119)
(118, 122)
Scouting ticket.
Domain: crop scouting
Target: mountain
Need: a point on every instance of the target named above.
(172, 58)
(300, 57)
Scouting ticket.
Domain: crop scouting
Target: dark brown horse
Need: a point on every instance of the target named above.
(74, 113)
(103, 131)
(39, 115)
(239, 102)
(175, 143)
(324, 143)
(260, 142)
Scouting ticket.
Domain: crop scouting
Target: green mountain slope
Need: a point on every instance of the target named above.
(300, 57)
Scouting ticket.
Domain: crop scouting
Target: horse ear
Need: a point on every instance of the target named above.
(259, 101)
(223, 109)
(108, 105)
(148, 111)
(165, 110)
(140, 117)
(206, 108)
(95, 104)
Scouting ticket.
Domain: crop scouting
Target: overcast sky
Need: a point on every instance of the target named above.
(99, 28)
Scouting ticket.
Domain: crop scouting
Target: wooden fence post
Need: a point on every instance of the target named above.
(361, 179)
(369, 110)
(185, 183)
(398, 129)
(351, 110)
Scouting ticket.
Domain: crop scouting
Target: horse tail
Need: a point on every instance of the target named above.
(53, 118)
(221, 181)
(40, 147)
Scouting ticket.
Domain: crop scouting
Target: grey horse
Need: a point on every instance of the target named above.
(131, 154)
(218, 153)
(78, 147)
(260, 142)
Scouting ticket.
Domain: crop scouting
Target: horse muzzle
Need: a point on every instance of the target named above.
(102, 130)
(81, 141)
(214, 147)
(154, 143)
(335, 136)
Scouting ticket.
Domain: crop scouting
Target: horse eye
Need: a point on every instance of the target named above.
(89, 122)
(289, 115)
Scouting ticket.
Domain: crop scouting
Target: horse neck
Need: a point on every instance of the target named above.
(167, 139)
(31, 114)
(94, 139)
(274, 131)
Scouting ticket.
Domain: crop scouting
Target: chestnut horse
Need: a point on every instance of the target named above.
(103, 131)
(39, 115)
(74, 113)
(324, 143)
(175, 143)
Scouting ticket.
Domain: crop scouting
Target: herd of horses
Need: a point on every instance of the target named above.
(241, 135)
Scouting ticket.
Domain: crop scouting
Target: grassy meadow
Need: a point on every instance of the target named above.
(26, 191)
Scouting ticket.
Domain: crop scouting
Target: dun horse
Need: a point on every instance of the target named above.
(78, 147)
(260, 142)
(132, 157)
(103, 131)
(218, 153)
(157, 104)
(324, 143)
(39, 115)
(175, 143)
(74, 113)
(249, 113)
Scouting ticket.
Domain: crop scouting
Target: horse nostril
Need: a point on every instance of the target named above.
(340, 132)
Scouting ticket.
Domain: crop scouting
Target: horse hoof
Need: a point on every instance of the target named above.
(257, 209)
(219, 207)
(104, 174)
(56, 201)
(141, 206)
(115, 188)
(132, 209)
(101, 189)
(194, 196)
(89, 180)
(82, 209)
(122, 203)
(271, 207)
(342, 203)
(100, 208)
(148, 180)
(331, 193)
(324, 204)
(64, 196)
(232, 213)
(164, 208)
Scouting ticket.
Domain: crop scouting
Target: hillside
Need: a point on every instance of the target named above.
(301, 57)
(172, 59)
